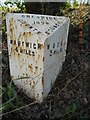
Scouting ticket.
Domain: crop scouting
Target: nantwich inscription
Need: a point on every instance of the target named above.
(31, 48)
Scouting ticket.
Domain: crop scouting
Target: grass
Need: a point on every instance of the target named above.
(10, 98)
